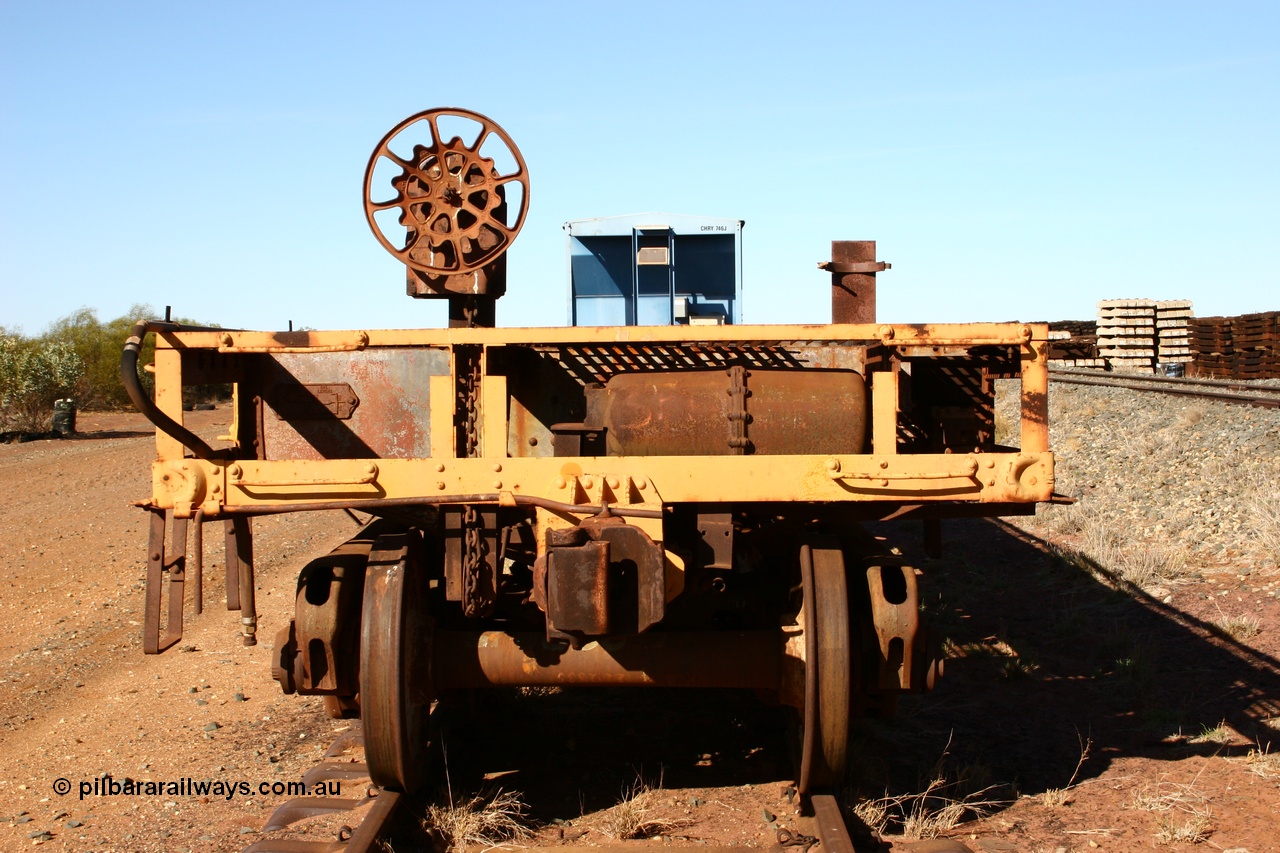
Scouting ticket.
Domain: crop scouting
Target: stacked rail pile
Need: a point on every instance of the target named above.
(1127, 334)
(1243, 347)
(1074, 343)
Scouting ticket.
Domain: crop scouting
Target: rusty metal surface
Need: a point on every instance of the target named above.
(331, 770)
(715, 530)
(319, 401)
(471, 557)
(895, 615)
(389, 421)
(295, 845)
(709, 413)
(639, 599)
(830, 825)
(368, 834)
(601, 578)
(318, 652)
(828, 665)
(231, 559)
(197, 562)
(155, 568)
(577, 596)
(657, 659)
(375, 824)
(302, 808)
(448, 195)
(853, 269)
(241, 541)
(164, 562)
(394, 645)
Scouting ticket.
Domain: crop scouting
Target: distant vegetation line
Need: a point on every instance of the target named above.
(78, 356)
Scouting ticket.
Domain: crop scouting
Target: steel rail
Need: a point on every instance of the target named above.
(1233, 384)
(1271, 401)
(366, 837)
(829, 824)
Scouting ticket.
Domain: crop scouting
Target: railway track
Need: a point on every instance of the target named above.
(1225, 391)
(380, 812)
(342, 764)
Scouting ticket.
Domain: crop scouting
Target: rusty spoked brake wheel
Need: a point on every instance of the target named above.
(450, 197)
(395, 637)
(828, 676)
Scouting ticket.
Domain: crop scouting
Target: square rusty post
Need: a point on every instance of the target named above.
(853, 267)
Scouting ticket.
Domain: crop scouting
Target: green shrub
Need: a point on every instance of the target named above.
(34, 373)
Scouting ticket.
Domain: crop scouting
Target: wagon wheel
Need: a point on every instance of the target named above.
(450, 197)
(824, 744)
(395, 638)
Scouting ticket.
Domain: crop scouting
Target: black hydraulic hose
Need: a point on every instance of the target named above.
(138, 394)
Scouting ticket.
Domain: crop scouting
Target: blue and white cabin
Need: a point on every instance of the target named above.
(655, 269)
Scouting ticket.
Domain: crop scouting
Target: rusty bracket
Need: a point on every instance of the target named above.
(859, 267)
(715, 530)
(159, 563)
(895, 612)
(602, 578)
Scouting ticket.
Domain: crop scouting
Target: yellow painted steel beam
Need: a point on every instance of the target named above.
(623, 481)
(904, 335)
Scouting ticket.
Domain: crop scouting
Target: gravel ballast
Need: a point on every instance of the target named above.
(1161, 473)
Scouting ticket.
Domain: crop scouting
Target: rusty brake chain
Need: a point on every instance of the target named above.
(738, 415)
(787, 838)
(473, 563)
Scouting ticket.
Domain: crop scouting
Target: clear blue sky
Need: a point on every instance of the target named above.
(1014, 160)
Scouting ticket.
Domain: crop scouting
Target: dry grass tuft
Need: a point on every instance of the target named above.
(1221, 733)
(1139, 564)
(1165, 796)
(1017, 668)
(1241, 627)
(481, 821)
(1187, 818)
(1057, 797)
(1264, 521)
(1147, 565)
(1190, 417)
(1058, 520)
(1193, 830)
(939, 807)
(631, 818)
(1263, 763)
(874, 815)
